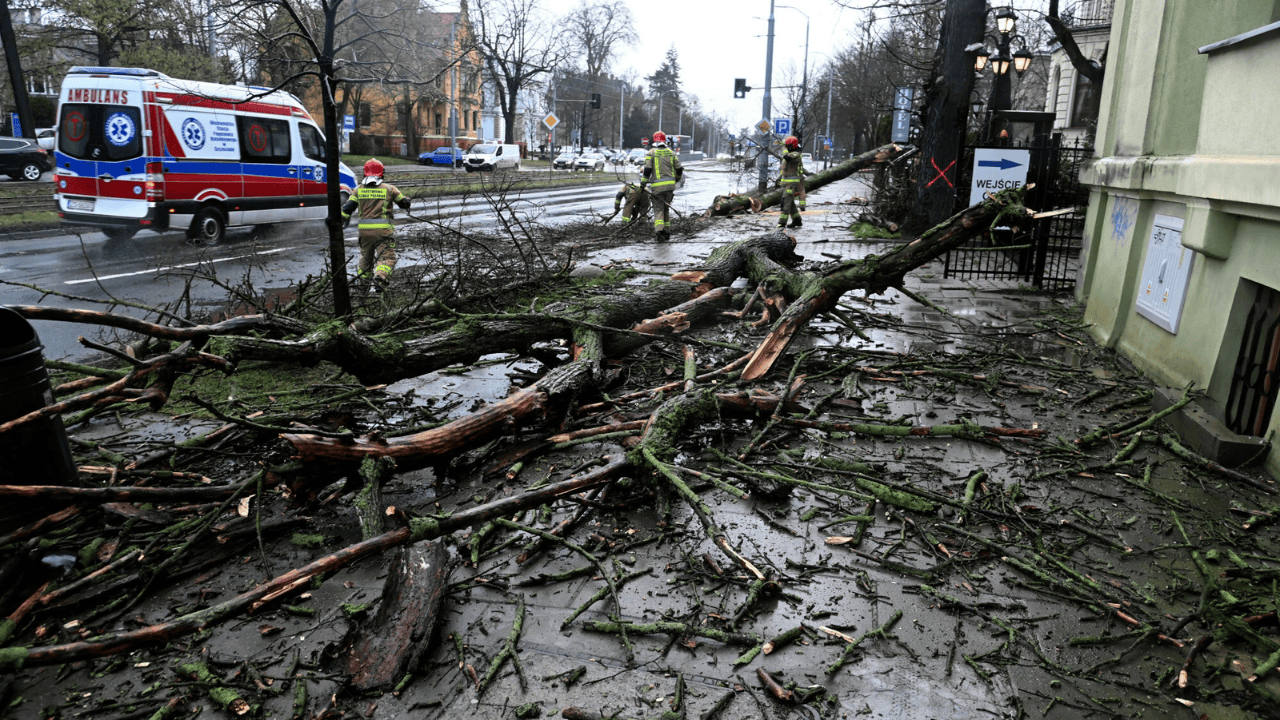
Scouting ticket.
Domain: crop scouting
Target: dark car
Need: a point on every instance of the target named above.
(565, 160)
(23, 159)
(440, 156)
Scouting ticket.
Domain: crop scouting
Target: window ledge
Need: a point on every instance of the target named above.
(1242, 38)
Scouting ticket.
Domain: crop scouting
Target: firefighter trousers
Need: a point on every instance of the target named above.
(636, 207)
(662, 210)
(377, 255)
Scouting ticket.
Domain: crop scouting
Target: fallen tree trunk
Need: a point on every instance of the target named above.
(814, 294)
(735, 203)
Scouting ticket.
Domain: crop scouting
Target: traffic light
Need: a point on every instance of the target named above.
(595, 101)
(740, 88)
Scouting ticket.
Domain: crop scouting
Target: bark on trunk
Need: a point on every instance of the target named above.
(735, 203)
(946, 108)
(394, 642)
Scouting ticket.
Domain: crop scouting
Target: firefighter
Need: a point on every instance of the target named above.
(637, 202)
(662, 170)
(792, 180)
(374, 199)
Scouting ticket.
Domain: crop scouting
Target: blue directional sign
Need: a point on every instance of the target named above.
(782, 126)
(348, 122)
(1002, 163)
(17, 125)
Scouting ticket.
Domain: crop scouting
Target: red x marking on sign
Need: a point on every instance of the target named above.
(941, 173)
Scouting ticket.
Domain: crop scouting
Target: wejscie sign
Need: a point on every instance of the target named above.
(996, 169)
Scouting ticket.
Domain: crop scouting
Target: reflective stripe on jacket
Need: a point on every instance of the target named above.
(663, 168)
(376, 204)
(792, 167)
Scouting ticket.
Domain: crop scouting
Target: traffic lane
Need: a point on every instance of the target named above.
(151, 268)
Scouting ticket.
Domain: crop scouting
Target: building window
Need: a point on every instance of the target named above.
(475, 120)
(438, 123)
(366, 115)
(1084, 105)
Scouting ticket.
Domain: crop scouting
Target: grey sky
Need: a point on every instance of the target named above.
(719, 40)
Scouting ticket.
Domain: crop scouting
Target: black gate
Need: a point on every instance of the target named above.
(1254, 381)
(1046, 252)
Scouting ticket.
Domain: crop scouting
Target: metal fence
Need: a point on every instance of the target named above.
(1044, 253)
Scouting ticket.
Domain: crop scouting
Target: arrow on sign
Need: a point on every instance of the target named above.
(1002, 163)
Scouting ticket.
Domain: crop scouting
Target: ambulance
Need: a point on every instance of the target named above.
(139, 150)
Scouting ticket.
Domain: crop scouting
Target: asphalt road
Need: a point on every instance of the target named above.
(152, 269)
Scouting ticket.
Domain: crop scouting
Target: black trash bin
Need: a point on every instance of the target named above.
(36, 453)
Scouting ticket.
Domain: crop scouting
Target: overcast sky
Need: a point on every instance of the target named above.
(719, 40)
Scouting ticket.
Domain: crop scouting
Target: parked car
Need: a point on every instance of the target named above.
(23, 159)
(564, 161)
(636, 156)
(441, 156)
(589, 161)
(806, 158)
(492, 157)
(46, 137)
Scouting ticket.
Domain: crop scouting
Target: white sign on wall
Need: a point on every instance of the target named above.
(996, 169)
(1165, 274)
(203, 134)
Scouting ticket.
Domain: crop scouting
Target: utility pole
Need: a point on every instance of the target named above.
(453, 101)
(831, 78)
(16, 79)
(622, 104)
(766, 113)
(660, 96)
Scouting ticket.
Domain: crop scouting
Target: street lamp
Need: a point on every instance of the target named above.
(1001, 88)
(804, 87)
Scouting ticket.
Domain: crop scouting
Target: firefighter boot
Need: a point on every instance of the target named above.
(795, 222)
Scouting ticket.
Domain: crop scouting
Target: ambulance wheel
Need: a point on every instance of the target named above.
(119, 234)
(208, 227)
(31, 172)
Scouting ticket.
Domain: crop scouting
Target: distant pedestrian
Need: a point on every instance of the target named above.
(662, 170)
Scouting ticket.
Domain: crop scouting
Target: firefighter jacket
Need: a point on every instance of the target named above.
(662, 169)
(792, 168)
(628, 191)
(376, 206)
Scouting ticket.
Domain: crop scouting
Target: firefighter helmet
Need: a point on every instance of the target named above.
(373, 167)
(792, 142)
(659, 137)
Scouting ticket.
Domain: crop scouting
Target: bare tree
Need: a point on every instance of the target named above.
(329, 43)
(596, 32)
(519, 44)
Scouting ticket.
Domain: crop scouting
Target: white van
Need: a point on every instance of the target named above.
(489, 156)
(138, 150)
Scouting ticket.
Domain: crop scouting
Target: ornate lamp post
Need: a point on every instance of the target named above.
(1001, 97)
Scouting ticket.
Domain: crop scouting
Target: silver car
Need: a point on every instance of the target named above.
(589, 161)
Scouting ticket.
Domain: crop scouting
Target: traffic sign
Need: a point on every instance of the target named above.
(996, 169)
(782, 126)
(902, 96)
(763, 126)
(826, 142)
(551, 121)
(348, 122)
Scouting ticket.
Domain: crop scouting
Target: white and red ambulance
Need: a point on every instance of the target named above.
(137, 150)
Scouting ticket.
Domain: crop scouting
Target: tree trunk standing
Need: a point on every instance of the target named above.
(337, 245)
(946, 107)
(1083, 65)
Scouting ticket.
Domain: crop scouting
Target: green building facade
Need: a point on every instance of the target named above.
(1181, 264)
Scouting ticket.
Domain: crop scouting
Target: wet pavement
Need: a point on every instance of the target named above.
(979, 636)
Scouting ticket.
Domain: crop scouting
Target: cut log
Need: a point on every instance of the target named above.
(393, 643)
(757, 201)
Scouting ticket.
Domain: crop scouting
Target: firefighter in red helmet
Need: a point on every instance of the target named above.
(375, 199)
(792, 183)
(662, 170)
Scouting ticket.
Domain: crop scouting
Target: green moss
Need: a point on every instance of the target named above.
(284, 387)
(307, 541)
(867, 230)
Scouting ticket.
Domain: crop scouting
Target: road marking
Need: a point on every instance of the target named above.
(176, 267)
